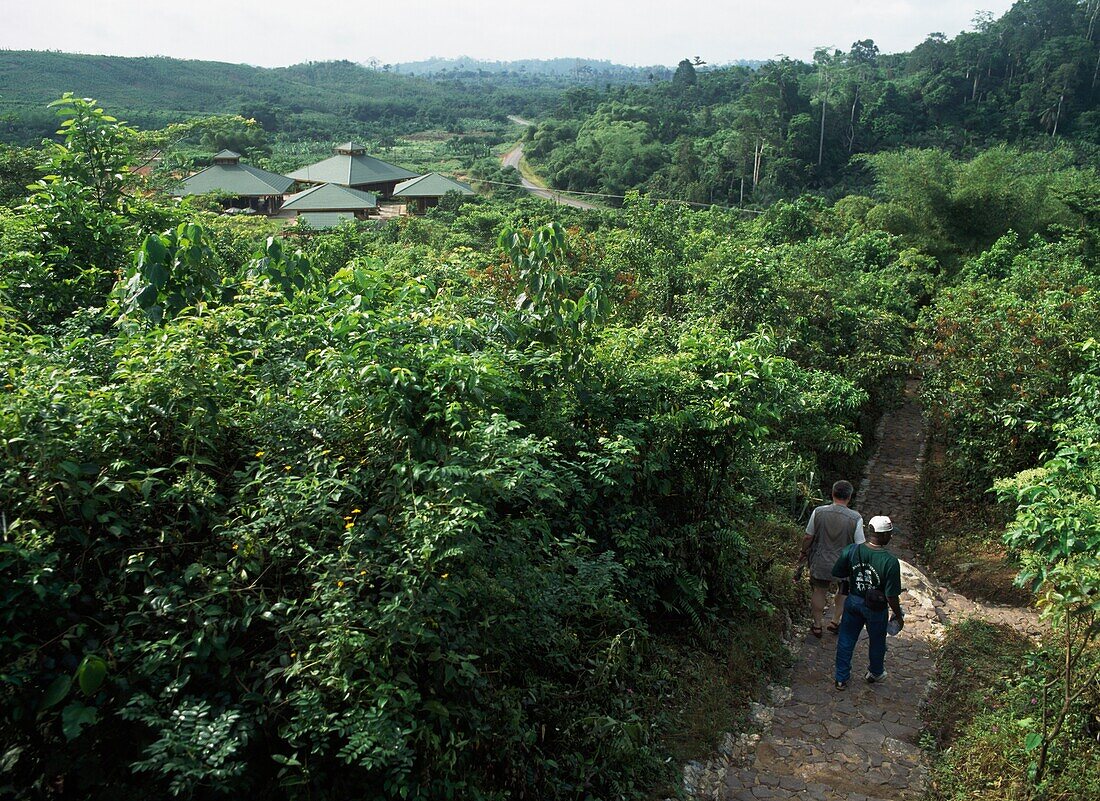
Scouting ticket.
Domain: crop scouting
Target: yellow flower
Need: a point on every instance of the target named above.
(349, 526)
(339, 583)
(260, 453)
(235, 546)
(293, 654)
(286, 467)
(357, 511)
(445, 575)
(362, 572)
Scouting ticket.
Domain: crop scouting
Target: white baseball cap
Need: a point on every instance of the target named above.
(881, 523)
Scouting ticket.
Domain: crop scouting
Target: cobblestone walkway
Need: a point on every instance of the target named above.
(860, 744)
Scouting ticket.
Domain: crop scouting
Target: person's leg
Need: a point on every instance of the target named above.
(876, 641)
(838, 610)
(817, 604)
(851, 624)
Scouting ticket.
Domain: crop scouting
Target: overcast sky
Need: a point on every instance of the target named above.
(640, 32)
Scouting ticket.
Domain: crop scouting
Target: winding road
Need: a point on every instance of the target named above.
(512, 159)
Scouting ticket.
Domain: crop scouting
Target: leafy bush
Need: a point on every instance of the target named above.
(998, 352)
(337, 522)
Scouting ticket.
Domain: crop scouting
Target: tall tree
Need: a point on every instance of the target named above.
(827, 64)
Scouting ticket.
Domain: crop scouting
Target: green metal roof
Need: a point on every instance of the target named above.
(325, 219)
(242, 180)
(431, 185)
(331, 197)
(227, 155)
(351, 167)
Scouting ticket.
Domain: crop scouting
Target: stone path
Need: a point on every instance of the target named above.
(860, 744)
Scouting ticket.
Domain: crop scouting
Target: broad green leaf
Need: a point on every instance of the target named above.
(56, 692)
(75, 717)
(90, 673)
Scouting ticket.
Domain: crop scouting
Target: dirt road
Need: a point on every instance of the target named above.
(512, 159)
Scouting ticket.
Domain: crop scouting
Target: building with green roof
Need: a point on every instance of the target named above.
(351, 166)
(248, 186)
(320, 220)
(331, 202)
(426, 190)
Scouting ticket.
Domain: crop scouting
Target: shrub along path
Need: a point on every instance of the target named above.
(859, 744)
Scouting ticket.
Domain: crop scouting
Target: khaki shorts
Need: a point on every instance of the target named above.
(829, 585)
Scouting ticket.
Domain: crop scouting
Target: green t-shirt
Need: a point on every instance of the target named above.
(866, 567)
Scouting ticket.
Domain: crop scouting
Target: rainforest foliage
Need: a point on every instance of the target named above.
(406, 509)
(741, 135)
(417, 509)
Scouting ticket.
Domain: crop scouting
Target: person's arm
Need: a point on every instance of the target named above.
(808, 540)
(895, 607)
(807, 544)
(859, 536)
(893, 593)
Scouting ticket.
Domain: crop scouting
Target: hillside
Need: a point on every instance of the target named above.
(321, 99)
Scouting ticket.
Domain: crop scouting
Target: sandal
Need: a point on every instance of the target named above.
(815, 630)
(833, 627)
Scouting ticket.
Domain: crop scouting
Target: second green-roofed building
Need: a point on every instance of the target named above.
(425, 191)
(328, 205)
(351, 166)
(242, 185)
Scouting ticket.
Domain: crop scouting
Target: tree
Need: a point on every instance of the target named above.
(861, 59)
(95, 151)
(826, 66)
(18, 169)
(685, 75)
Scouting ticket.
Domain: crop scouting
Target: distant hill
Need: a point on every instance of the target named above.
(578, 69)
(317, 98)
(569, 70)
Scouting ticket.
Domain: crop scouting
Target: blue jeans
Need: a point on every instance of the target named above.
(856, 616)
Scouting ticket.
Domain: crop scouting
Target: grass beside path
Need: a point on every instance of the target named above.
(985, 699)
(988, 688)
(960, 538)
(527, 172)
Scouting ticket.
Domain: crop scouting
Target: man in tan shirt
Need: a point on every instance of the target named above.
(830, 530)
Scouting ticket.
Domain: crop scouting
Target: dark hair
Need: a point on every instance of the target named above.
(880, 537)
(842, 490)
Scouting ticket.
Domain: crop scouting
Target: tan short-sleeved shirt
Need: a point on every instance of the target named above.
(834, 528)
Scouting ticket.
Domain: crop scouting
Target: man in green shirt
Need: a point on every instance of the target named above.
(874, 576)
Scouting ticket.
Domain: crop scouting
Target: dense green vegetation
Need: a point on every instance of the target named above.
(324, 101)
(440, 507)
(727, 135)
(352, 519)
(986, 697)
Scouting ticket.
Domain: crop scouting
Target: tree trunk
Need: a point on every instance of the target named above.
(1058, 113)
(852, 121)
(821, 139)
